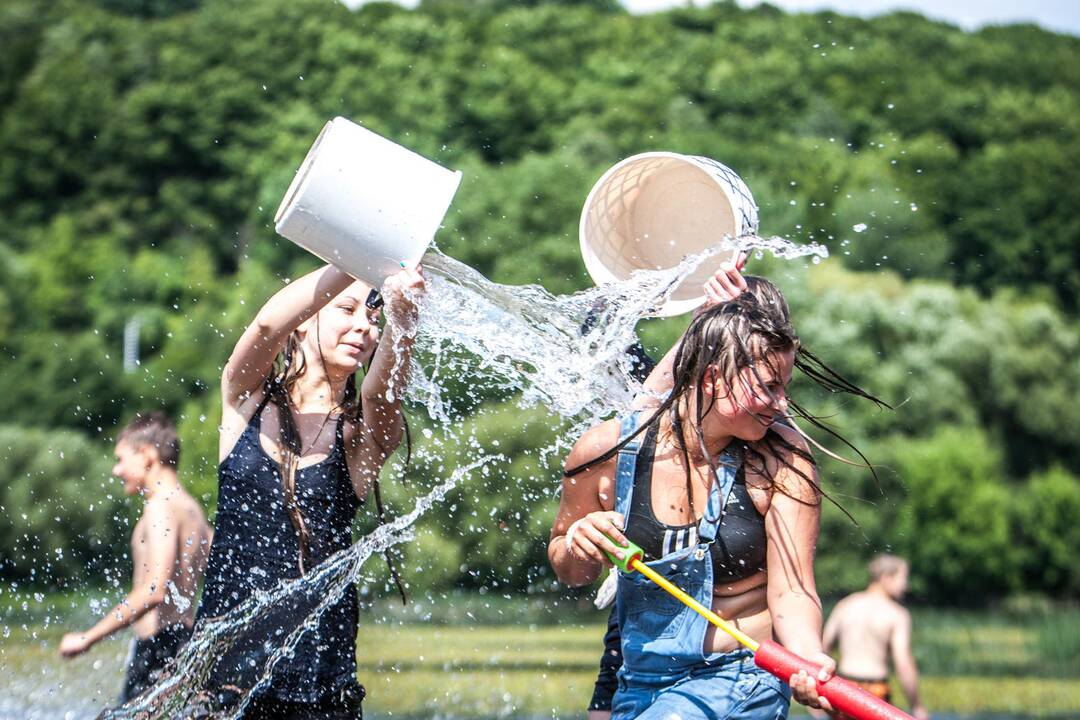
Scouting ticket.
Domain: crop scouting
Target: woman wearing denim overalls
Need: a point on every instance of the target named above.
(726, 505)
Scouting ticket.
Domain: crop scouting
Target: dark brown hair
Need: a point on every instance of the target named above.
(772, 300)
(744, 333)
(154, 429)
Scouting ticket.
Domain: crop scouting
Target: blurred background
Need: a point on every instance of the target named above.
(145, 145)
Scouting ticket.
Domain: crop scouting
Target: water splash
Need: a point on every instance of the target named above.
(184, 690)
(177, 598)
(566, 352)
(491, 342)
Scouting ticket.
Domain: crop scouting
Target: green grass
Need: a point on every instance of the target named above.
(480, 671)
(956, 643)
(500, 671)
(465, 665)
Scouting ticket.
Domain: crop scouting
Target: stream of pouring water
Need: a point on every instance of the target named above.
(496, 341)
(566, 352)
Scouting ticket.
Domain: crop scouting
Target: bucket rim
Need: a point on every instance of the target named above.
(296, 185)
(598, 271)
(364, 202)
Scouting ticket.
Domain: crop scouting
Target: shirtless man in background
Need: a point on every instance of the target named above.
(871, 626)
(169, 547)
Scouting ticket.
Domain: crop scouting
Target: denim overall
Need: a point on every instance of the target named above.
(666, 673)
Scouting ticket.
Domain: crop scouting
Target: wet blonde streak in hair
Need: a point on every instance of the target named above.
(293, 365)
(289, 465)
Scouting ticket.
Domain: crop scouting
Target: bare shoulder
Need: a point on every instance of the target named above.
(191, 507)
(593, 443)
(236, 413)
(844, 604)
(165, 512)
(898, 614)
(160, 507)
(795, 448)
(789, 464)
(595, 483)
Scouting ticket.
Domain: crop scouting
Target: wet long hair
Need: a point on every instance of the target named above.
(745, 333)
(290, 364)
(770, 297)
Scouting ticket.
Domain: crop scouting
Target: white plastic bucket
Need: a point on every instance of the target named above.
(364, 203)
(652, 210)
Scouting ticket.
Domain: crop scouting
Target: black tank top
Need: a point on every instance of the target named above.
(739, 549)
(256, 546)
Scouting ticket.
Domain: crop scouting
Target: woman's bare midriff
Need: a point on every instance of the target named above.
(744, 604)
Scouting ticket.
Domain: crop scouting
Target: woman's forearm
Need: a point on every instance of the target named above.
(390, 366)
(569, 568)
(797, 622)
(660, 380)
(301, 299)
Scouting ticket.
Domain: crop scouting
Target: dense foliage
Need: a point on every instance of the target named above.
(146, 145)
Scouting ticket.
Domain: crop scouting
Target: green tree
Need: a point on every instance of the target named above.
(66, 519)
(954, 526)
(1046, 513)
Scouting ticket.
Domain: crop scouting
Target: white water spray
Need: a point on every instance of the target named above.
(488, 341)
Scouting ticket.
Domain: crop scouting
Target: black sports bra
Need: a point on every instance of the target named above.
(739, 548)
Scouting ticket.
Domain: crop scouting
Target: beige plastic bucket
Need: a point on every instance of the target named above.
(651, 210)
(364, 203)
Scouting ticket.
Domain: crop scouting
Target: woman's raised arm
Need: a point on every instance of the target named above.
(382, 409)
(265, 337)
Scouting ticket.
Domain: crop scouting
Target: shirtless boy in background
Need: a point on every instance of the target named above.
(169, 547)
(871, 626)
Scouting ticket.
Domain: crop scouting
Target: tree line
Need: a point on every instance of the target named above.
(146, 146)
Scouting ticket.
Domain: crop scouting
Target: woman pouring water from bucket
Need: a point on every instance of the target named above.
(724, 500)
(304, 432)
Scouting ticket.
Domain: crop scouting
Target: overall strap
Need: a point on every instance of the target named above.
(626, 463)
(726, 473)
